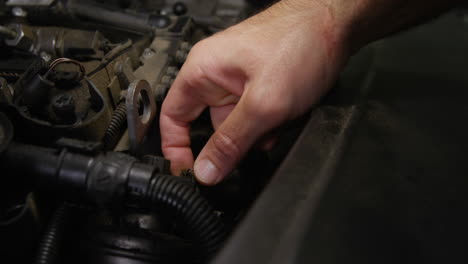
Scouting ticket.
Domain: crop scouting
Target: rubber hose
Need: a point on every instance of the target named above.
(116, 127)
(48, 249)
(168, 192)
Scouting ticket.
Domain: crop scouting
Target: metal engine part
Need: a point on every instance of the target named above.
(80, 85)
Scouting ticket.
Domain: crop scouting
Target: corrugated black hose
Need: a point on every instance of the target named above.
(168, 192)
(116, 127)
(49, 245)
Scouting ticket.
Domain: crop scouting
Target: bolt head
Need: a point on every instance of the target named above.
(24, 37)
(45, 56)
(19, 12)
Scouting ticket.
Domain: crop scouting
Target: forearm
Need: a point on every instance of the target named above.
(358, 22)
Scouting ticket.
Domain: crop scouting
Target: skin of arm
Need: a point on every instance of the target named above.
(270, 69)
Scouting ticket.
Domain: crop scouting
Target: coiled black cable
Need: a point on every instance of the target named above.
(168, 192)
(116, 127)
(48, 249)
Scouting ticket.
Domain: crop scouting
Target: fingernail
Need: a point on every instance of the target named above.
(206, 171)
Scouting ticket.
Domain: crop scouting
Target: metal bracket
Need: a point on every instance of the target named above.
(141, 111)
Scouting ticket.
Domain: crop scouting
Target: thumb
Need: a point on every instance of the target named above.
(231, 141)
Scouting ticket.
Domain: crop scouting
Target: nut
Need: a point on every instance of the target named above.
(24, 37)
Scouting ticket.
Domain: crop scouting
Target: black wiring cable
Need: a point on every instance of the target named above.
(125, 47)
(107, 62)
(59, 61)
(49, 246)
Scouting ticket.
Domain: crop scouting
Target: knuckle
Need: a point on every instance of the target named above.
(196, 78)
(198, 73)
(253, 106)
(199, 47)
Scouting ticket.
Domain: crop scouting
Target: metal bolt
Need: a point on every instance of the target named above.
(63, 106)
(172, 71)
(159, 21)
(185, 46)
(45, 56)
(179, 9)
(147, 53)
(24, 39)
(19, 12)
(181, 56)
(166, 79)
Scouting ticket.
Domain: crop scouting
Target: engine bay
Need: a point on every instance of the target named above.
(374, 173)
(82, 83)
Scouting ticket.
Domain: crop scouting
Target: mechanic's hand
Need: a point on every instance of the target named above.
(254, 76)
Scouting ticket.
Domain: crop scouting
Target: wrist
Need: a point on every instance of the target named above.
(332, 20)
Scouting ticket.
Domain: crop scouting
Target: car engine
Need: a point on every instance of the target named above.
(81, 85)
(375, 173)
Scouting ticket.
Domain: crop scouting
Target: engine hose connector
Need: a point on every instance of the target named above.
(114, 179)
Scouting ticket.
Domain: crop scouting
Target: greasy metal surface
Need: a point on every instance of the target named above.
(396, 193)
